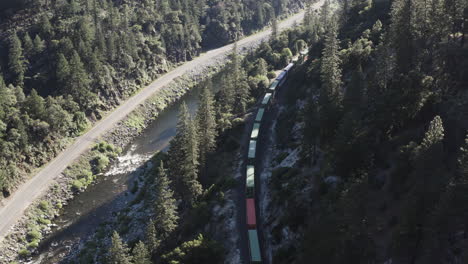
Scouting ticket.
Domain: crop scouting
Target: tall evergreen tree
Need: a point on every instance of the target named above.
(79, 83)
(206, 123)
(183, 153)
(165, 208)
(28, 44)
(330, 92)
(274, 27)
(118, 251)
(16, 62)
(152, 239)
(39, 45)
(140, 254)
(63, 70)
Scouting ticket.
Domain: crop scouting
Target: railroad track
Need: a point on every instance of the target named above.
(252, 180)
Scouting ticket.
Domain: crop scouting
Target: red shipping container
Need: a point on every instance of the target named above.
(251, 217)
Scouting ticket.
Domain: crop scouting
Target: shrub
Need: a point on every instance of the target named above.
(271, 75)
(44, 221)
(44, 205)
(77, 185)
(23, 253)
(34, 234)
(100, 163)
(33, 244)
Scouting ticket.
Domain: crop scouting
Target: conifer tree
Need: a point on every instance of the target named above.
(330, 92)
(324, 17)
(152, 239)
(165, 208)
(140, 254)
(206, 123)
(78, 82)
(274, 27)
(63, 69)
(118, 251)
(16, 61)
(401, 35)
(28, 44)
(430, 151)
(39, 45)
(183, 153)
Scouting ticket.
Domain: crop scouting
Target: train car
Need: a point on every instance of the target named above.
(255, 130)
(251, 216)
(266, 99)
(250, 182)
(254, 247)
(281, 78)
(273, 86)
(259, 116)
(252, 149)
(289, 67)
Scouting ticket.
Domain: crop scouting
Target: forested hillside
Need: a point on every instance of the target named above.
(64, 62)
(383, 173)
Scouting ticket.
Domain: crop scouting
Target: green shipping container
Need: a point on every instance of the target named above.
(254, 247)
(252, 149)
(255, 129)
(260, 113)
(266, 99)
(250, 176)
(273, 86)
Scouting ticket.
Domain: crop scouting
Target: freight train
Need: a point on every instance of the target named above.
(251, 212)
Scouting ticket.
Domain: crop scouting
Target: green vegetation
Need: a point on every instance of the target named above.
(382, 169)
(183, 194)
(71, 61)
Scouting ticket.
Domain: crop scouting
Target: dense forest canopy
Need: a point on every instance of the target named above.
(384, 135)
(63, 62)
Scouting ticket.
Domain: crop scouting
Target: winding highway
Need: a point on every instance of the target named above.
(13, 208)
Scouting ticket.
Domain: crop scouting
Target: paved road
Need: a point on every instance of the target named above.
(13, 207)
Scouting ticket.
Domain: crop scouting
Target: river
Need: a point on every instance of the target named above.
(94, 206)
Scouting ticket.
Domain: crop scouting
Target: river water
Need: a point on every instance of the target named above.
(84, 213)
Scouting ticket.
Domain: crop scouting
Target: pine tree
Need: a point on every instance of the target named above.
(206, 123)
(431, 149)
(274, 27)
(39, 45)
(118, 251)
(152, 239)
(236, 83)
(330, 92)
(78, 82)
(401, 36)
(63, 70)
(165, 208)
(324, 17)
(140, 254)
(28, 44)
(16, 63)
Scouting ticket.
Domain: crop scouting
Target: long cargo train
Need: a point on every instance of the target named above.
(254, 245)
